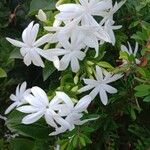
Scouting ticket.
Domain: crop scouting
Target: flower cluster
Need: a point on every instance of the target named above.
(77, 28)
(60, 112)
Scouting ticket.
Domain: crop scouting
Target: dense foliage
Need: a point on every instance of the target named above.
(123, 123)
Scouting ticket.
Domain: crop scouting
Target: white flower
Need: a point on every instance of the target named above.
(59, 113)
(73, 113)
(60, 32)
(100, 84)
(84, 11)
(131, 52)
(92, 35)
(71, 53)
(29, 47)
(40, 106)
(108, 15)
(19, 98)
(41, 15)
(109, 27)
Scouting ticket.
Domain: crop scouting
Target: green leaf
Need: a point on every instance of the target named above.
(124, 55)
(105, 65)
(3, 74)
(142, 93)
(35, 5)
(75, 141)
(48, 70)
(142, 87)
(86, 138)
(38, 130)
(133, 115)
(82, 141)
(21, 143)
(147, 99)
(141, 71)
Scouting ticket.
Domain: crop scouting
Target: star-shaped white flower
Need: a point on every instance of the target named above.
(130, 51)
(62, 31)
(108, 15)
(100, 84)
(73, 113)
(109, 27)
(92, 35)
(84, 11)
(40, 106)
(29, 48)
(19, 97)
(71, 52)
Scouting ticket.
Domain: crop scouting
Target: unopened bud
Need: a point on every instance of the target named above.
(41, 15)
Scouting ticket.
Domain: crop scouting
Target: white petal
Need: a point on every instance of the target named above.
(24, 51)
(17, 91)
(103, 96)
(68, 7)
(92, 82)
(130, 49)
(99, 73)
(85, 88)
(38, 92)
(36, 59)
(103, 5)
(15, 42)
(56, 23)
(84, 2)
(81, 122)
(66, 16)
(13, 97)
(34, 101)
(114, 78)
(124, 48)
(58, 131)
(112, 36)
(28, 32)
(29, 119)
(94, 92)
(27, 59)
(136, 48)
(44, 39)
(75, 64)
(11, 107)
(83, 104)
(25, 36)
(28, 109)
(23, 88)
(49, 119)
(102, 34)
(64, 62)
(109, 88)
(34, 32)
(55, 101)
(65, 43)
(92, 41)
(62, 122)
(65, 98)
(56, 62)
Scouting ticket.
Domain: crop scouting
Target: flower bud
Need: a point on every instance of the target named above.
(41, 15)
